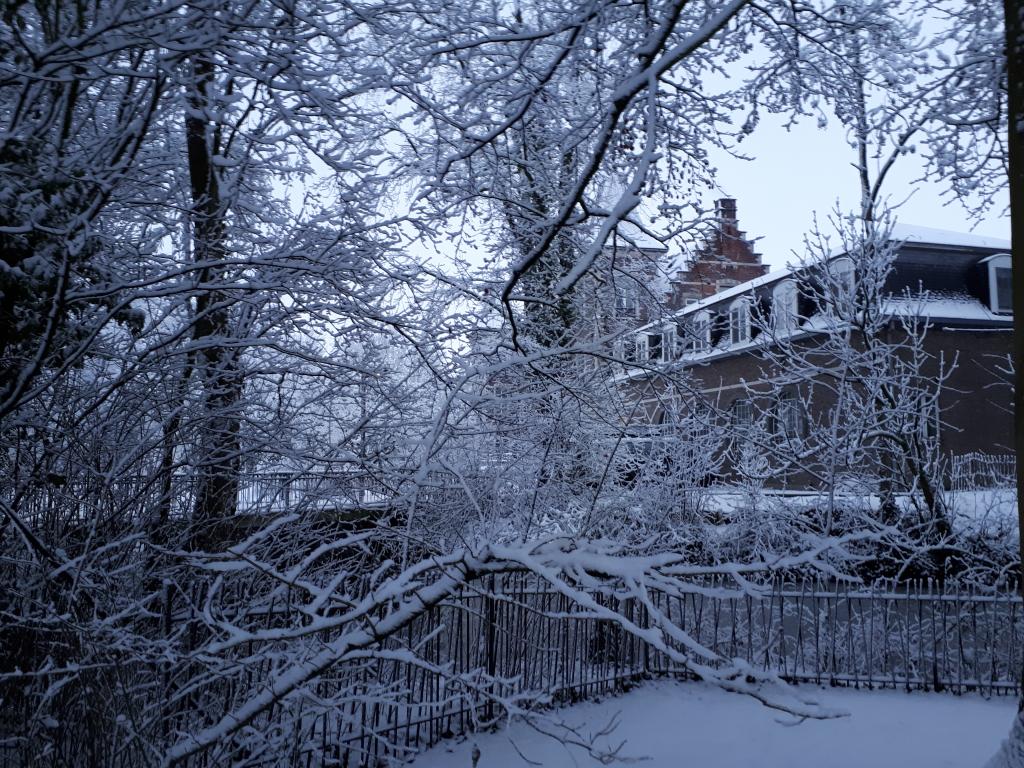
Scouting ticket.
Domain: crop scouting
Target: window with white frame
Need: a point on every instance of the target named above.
(789, 416)
(625, 349)
(695, 333)
(627, 298)
(929, 420)
(739, 321)
(741, 413)
(1004, 288)
(784, 306)
(702, 332)
(841, 284)
(1000, 283)
(641, 348)
(668, 345)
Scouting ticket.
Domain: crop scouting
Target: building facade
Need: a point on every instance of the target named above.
(909, 336)
(726, 259)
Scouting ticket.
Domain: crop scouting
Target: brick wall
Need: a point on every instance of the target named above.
(726, 256)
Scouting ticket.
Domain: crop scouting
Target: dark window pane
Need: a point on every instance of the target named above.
(654, 346)
(1004, 290)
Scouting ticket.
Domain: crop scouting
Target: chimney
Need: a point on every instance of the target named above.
(725, 210)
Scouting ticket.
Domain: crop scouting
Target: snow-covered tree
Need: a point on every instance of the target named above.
(209, 228)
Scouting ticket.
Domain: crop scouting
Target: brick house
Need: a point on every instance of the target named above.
(725, 259)
(724, 340)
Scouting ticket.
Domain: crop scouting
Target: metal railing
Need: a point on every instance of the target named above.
(978, 471)
(514, 638)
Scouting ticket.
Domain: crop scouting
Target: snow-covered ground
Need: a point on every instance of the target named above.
(990, 510)
(693, 725)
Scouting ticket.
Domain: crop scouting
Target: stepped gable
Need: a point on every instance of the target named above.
(726, 258)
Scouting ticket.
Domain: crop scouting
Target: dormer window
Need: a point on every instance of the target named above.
(1003, 289)
(1000, 283)
(784, 306)
(702, 332)
(625, 349)
(653, 347)
(695, 333)
(739, 321)
(641, 348)
(841, 284)
(668, 344)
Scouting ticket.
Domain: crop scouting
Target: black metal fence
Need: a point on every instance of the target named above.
(531, 643)
(974, 471)
(513, 638)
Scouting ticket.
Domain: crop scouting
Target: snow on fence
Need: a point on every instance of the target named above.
(515, 640)
(915, 635)
(512, 638)
(976, 471)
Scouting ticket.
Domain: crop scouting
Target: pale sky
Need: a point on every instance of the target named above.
(795, 175)
(805, 171)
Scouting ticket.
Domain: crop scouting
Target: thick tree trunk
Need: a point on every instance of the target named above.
(216, 362)
(1011, 754)
(1015, 146)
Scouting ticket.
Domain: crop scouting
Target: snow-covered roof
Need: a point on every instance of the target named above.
(944, 307)
(915, 234)
(909, 233)
(959, 307)
(737, 290)
(930, 305)
(933, 307)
